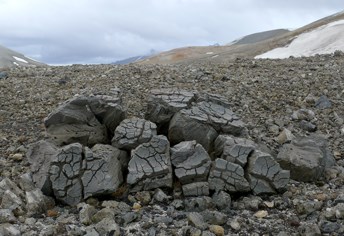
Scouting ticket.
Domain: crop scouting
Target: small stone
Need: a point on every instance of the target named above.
(86, 213)
(17, 157)
(307, 126)
(285, 136)
(102, 214)
(222, 201)
(196, 219)
(269, 204)
(6, 216)
(309, 229)
(137, 206)
(52, 213)
(261, 214)
(108, 227)
(323, 103)
(339, 208)
(217, 230)
(160, 196)
(144, 197)
(235, 225)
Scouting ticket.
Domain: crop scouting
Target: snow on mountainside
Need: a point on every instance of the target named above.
(10, 58)
(322, 40)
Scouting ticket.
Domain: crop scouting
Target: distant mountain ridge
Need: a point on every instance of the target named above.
(10, 58)
(320, 37)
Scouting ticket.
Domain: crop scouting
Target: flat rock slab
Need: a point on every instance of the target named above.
(85, 119)
(133, 132)
(265, 174)
(196, 189)
(191, 161)
(306, 158)
(150, 165)
(227, 176)
(164, 103)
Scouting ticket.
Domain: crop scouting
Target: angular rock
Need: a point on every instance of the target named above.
(265, 174)
(307, 126)
(12, 202)
(306, 158)
(196, 219)
(9, 230)
(202, 123)
(87, 120)
(196, 189)
(227, 176)
(222, 201)
(323, 102)
(78, 173)
(303, 114)
(7, 185)
(6, 216)
(133, 132)
(26, 182)
(192, 163)
(285, 136)
(150, 165)
(233, 149)
(86, 213)
(164, 103)
(37, 202)
(108, 227)
(3, 75)
(40, 155)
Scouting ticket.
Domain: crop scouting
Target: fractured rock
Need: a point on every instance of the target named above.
(306, 158)
(191, 162)
(233, 149)
(87, 120)
(227, 176)
(265, 174)
(150, 165)
(40, 155)
(202, 123)
(164, 103)
(37, 202)
(132, 132)
(196, 189)
(78, 173)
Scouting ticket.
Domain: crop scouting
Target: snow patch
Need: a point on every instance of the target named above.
(322, 40)
(15, 63)
(210, 53)
(214, 56)
(19, 59)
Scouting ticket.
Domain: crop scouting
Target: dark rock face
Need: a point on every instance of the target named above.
(306, 158)
(150, 165)
(74, 173)
(265, 174)
(87, 120)
(133, 132)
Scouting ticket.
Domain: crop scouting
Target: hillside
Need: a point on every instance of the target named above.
(251, 48)
(10, 58)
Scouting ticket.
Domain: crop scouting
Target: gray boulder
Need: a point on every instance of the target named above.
(196, 189)
(202, 123)
(77, 173)
(234, 149)
(86, 120)
(192, 163)
(265, 174)
(150, 165)
(227, 176)
(37, 202)
(40, 155)
(306, 158)
(164, 103)
(132, 132)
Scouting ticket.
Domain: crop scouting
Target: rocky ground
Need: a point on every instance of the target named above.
(264, 93)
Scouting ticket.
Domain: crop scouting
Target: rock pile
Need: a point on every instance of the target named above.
(88, 166)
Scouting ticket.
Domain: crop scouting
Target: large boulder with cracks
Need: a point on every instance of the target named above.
(85, 119)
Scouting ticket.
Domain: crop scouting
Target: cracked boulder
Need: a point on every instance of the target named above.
(265, 174)
(150, 165)
(40, 155)
(227, 176)
(164, 103)
(133, 132)
(233, 149)
(196, 189)
(306, 158)
(202, 123)
(78, 173)
(85, 119)
(191, 162)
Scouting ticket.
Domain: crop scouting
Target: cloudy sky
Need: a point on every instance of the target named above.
(103, 31)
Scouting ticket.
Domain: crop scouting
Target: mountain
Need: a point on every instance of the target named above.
(10, 58)
(320, 37)
(136, 58)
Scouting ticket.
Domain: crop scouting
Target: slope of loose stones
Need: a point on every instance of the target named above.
(150, 165)
(133, 132)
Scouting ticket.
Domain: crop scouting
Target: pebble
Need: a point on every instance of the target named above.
(261, 214)
(217, 230)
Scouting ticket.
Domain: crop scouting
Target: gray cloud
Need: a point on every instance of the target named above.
(62, 31)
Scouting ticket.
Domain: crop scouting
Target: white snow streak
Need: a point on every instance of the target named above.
(20, 59)
(322, 40)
